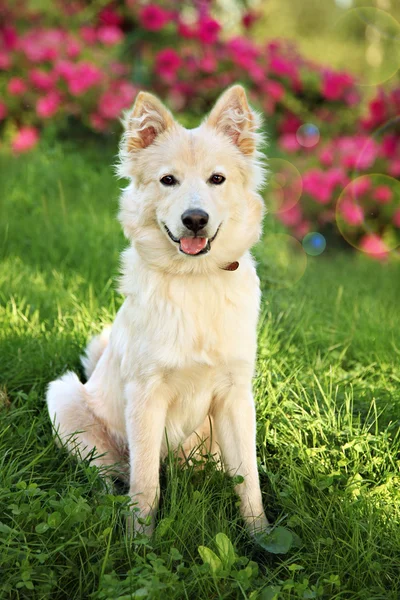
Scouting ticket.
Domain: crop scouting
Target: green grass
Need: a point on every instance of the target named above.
(328, 414)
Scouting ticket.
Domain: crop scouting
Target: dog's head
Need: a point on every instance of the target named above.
(192, 205)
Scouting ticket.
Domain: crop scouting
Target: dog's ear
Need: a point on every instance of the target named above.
(148, 119)
(233, 117)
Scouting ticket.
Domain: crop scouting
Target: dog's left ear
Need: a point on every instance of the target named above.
(233, 117)
(148, 119)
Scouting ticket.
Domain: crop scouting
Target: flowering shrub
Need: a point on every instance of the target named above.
(86, 60)
(343, 182)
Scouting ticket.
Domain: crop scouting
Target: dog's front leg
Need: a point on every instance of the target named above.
(145, 422)
(235, 428)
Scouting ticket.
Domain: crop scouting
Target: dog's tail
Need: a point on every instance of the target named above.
(94, 350)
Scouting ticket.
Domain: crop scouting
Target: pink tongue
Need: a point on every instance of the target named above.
(193, 245)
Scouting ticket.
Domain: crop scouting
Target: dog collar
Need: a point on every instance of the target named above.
(232, 267)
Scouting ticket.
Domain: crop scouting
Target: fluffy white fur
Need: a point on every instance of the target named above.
(182, 348)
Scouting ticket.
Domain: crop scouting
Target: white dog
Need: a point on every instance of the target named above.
(179, 361)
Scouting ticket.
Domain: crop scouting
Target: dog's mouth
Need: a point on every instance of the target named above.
(192, 246)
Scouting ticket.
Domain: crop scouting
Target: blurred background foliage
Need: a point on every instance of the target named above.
(324, 74)
(313, 25)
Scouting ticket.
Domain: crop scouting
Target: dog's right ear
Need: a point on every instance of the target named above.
(145, 122)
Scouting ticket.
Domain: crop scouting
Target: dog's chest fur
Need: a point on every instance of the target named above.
(174, 322)
(191, 336)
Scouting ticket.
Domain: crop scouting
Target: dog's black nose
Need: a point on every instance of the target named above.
(195, 219)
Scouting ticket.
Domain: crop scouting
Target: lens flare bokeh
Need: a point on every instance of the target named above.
(368, 213)
(285, 185)
(314, 243)
(378, 55)
(285, 258)
(308, 135)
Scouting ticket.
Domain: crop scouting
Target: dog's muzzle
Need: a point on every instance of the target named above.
(193, 245)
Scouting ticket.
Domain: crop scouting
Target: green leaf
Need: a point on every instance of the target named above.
(41, 527)
(142, 592)
(175, 554)
(210, 558)
(279, 541)
(237, 479)
(54, 519)
(295, 567)
(270, 593)
(226, 550)
(164, 525)
(324, 482)
(5, 528)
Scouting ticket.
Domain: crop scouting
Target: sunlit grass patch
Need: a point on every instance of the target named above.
(328, 407)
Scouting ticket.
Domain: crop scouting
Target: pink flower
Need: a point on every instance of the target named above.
(186, 30)
(289, 124)
(65, 69)
(97, 122)
(25, 139)
(335, 84)
(383, 194)
(336, 177)
(396, 218)
(394, 168)
(208, 30)
(167, 63)
(16, 86)
(352, 97)
(256, 73)
(374, 246)
(41, 79)
(153, 17)
(109, 16)
(127, 92)
(243, 51)
(3, 111)
(357, 152)
(378, 111)
(274, 89)
(315, 184)
(284, 68)
(73, 47)
(351, 212)
(326, 156)
(84, 76)
(88, 34)
(288, 142)
(5, 60)
(208, 64)
(109, 35)
(9, 36)
(360, 186)
(40, 45)
(290, 217)
(389, 146)
(302, 229)
(114, 101)
(109, 106)
(249, 19)
(47, 106)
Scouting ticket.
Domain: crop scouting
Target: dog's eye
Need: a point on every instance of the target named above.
(216, 179)
(168, 180)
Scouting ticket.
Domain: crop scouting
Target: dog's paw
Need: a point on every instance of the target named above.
(259, 526)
